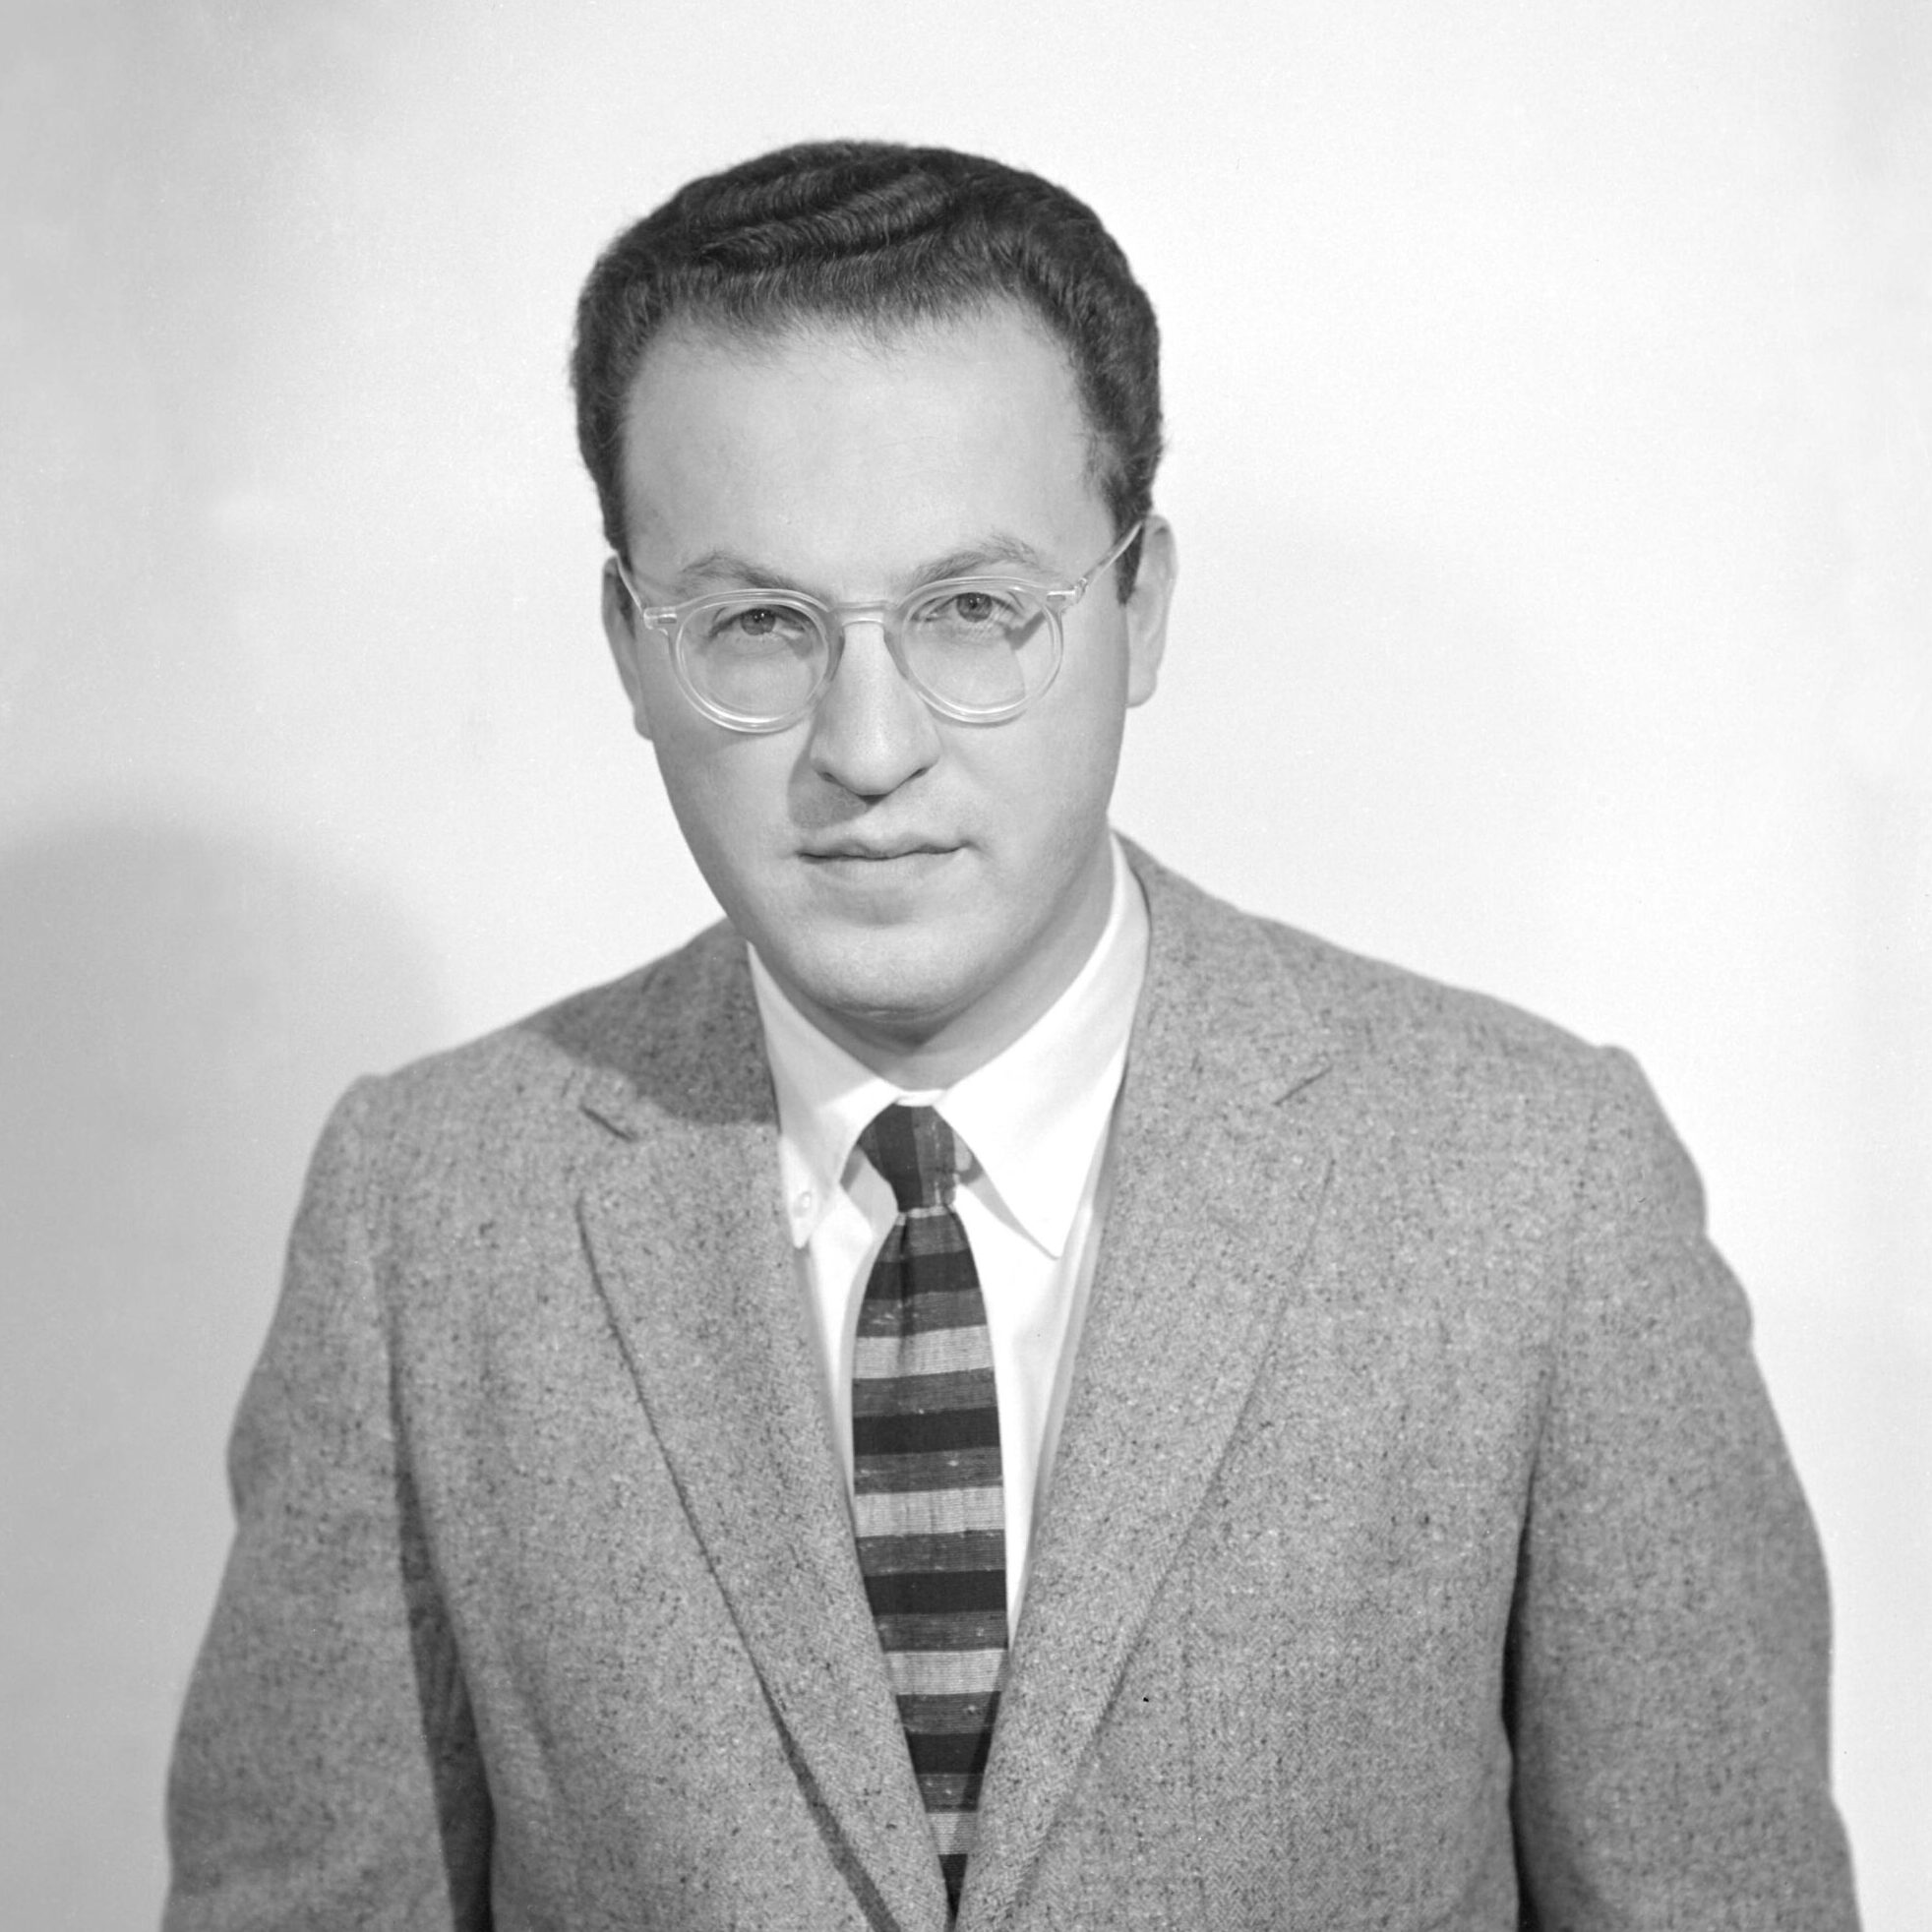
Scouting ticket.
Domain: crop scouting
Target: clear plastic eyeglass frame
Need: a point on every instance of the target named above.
(674, 624)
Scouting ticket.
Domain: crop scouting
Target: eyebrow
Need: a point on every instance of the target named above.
(996, 551)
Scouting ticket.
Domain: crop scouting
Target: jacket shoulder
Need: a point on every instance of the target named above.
(1358, 1008)
(667, 1027)
(1403, 1062)
(1371, 1006)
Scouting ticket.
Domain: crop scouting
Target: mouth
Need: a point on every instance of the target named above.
(893, 865)
(852, 850)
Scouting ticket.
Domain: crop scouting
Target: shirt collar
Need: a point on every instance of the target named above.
(1032, 1117)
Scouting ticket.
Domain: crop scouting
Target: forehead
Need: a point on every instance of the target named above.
(837, 445)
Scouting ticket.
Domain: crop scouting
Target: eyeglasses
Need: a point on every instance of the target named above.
(979, 649)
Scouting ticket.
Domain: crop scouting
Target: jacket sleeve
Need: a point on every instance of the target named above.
(1669, 1647)
(326, 1770)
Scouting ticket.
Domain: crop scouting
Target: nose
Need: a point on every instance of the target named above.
(871, 731)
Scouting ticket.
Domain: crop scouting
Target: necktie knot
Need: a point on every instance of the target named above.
(915, 1150)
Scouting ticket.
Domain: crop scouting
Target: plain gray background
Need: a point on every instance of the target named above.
(1549, 396)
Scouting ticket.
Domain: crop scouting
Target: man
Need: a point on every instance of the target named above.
(990, 1384)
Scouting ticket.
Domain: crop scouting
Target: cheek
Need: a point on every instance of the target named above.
(727, 793)
(1048, 792)
(1078, 741)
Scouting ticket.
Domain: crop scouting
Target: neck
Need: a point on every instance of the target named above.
(920, 1061)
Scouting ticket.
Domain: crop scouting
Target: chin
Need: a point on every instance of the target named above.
(882, 982)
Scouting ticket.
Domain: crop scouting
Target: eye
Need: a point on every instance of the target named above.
(972, 610)
(974, 606)
(750, 624)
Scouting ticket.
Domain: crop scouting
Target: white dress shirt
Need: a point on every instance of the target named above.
(1033, 1131)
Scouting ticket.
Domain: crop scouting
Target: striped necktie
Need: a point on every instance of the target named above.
(931, 1512)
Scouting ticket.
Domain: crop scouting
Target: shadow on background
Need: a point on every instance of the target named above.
(178, 1007)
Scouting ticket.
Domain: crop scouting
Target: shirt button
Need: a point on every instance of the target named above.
(802, 1203)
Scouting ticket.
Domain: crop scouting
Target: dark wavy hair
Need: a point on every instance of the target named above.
(878, 235)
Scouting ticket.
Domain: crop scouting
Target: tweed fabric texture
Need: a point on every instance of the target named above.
(927, 1488)
(1421, 1547)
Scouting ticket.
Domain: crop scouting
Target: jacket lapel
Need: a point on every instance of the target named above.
(681, 1219)
(1218, 1182)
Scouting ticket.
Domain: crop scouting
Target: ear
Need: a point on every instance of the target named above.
(628, 641)
(1146, 608)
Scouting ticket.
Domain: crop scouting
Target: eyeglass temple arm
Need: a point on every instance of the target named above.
(653, 617)
(1069, 594)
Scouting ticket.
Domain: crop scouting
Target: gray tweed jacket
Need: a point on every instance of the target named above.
(1420, 1552)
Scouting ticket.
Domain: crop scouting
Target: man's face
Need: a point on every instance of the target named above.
(921, 888)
